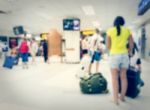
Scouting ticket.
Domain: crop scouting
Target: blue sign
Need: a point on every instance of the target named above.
(143, 6)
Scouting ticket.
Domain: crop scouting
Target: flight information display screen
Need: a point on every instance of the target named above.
(71, 24)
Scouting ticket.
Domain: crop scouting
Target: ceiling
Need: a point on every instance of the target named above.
(39, 16)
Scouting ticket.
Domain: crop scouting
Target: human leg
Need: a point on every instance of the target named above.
(114, 61)
(91, 63)
(123, 75)
(114, 74)
(97, 58)
(26, 60)
(97, 67)
(124, 83)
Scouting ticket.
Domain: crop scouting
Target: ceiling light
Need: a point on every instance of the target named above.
(96, 24)
(88, 10)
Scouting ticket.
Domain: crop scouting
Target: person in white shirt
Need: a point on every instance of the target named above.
(96, 50)
(85, 61)
(84, 45)
(33, 49)
(5, 49)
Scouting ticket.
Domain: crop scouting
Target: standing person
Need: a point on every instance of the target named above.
(45, 50)
(96, 50)
(14, 51)
(14, 54)
(117, 38)
(24, 49)
(84, 45)
(85, 61)
(33, 49)
(5, 49)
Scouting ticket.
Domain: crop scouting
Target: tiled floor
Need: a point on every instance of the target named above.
(54, 87)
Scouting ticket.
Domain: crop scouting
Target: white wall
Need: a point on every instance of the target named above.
(72, 47)
(147, 53)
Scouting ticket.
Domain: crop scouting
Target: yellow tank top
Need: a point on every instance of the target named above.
(118, 43)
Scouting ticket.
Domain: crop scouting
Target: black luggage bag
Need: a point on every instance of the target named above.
(133, 77)
(95, 84)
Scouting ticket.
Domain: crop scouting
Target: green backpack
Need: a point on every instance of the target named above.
(95, 84)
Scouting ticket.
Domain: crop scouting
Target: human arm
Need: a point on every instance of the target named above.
(108, 42)
(131, 44)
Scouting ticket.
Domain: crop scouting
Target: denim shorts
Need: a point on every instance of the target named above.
(24, 57)
(96, 56)
(119, 61)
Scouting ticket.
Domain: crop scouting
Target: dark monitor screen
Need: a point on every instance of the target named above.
(71, 24)
(3, 38)
(18, 30)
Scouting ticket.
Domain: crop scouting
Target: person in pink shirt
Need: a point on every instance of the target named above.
(24, 49)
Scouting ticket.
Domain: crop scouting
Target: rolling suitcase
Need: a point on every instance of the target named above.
(9, 62)
(133, 77)
(95, 84)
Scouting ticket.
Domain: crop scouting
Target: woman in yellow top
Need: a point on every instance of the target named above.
(117, 38)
